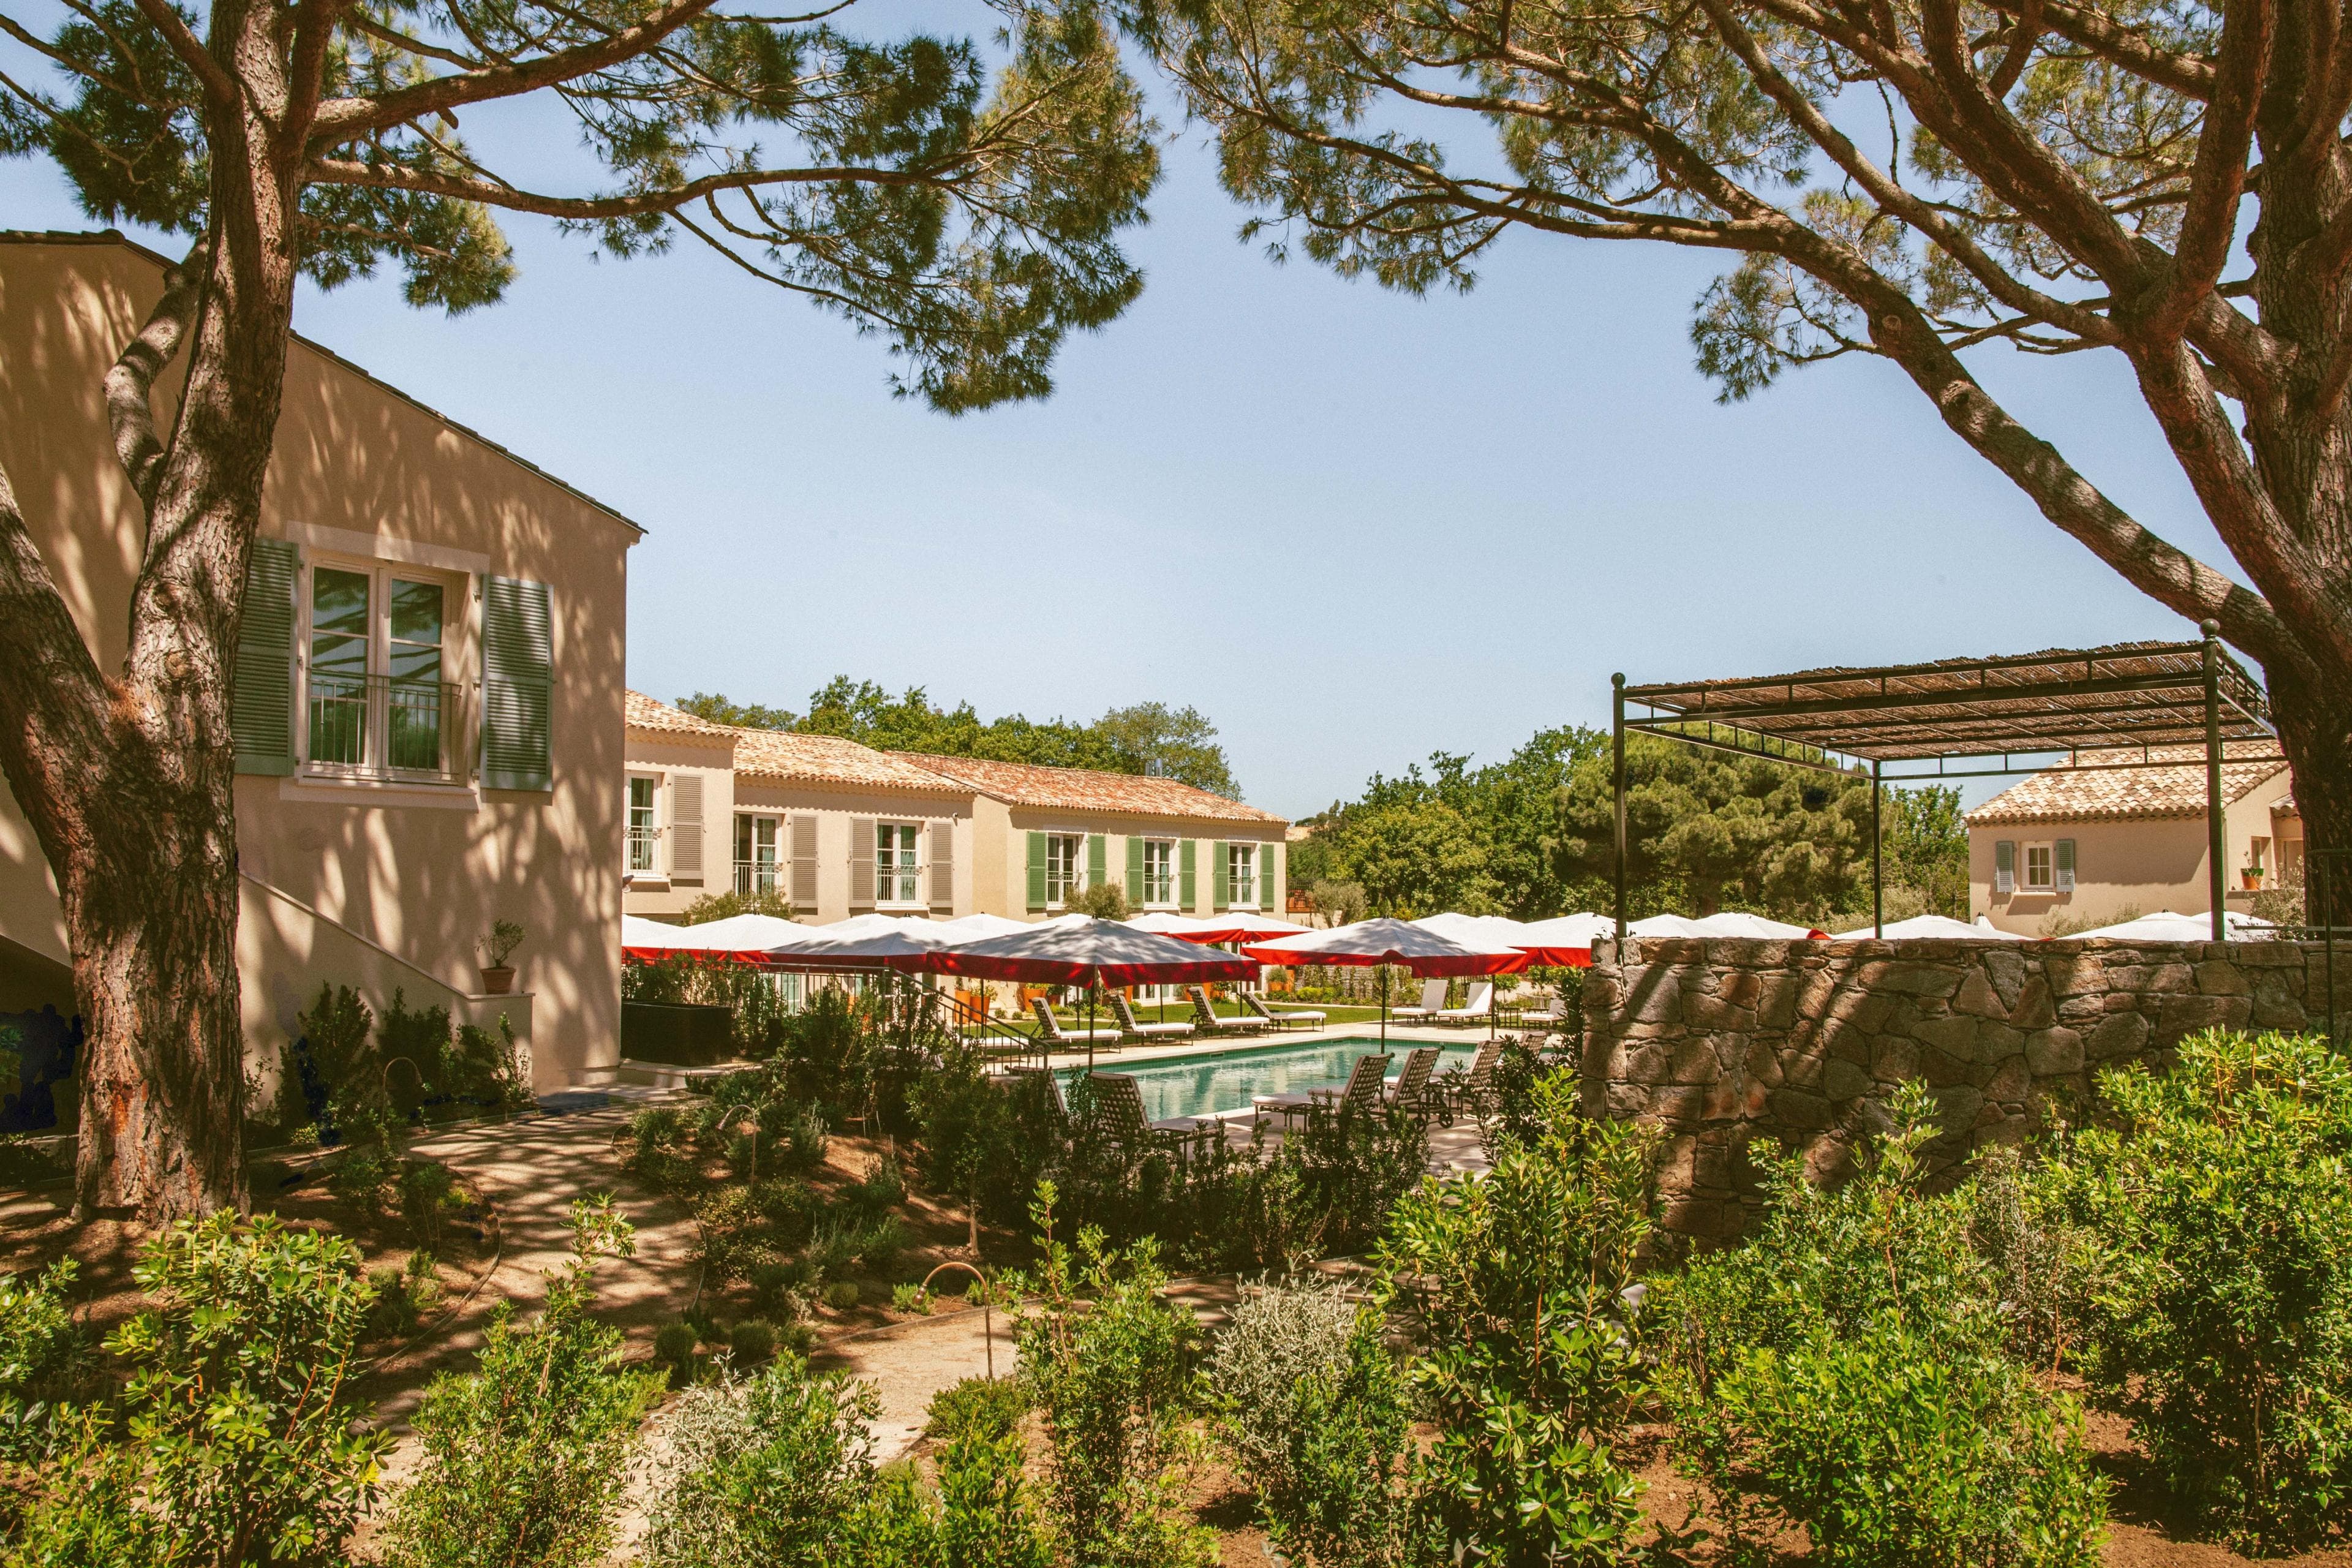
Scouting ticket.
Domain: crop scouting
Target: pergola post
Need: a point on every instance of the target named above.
(1617, 774)
(1877, 864)
(2216, 839)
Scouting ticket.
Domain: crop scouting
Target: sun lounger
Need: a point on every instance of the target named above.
(1119, 1103)
(1365, 1082)
(1251, 1000)
(1411, 1091)
(1433, 1001)
(1124, 1011)
(1206, 1018)
(1476, 1008)
(1471, 1090)
(1050, 1031)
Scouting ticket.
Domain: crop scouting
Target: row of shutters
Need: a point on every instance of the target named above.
(517, 673)
(685, 852)
(1187, 870)
(2062, 865)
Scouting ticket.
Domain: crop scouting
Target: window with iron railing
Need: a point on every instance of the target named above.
(374, 699)
(644, 835)
(897, 868)
(756, 865)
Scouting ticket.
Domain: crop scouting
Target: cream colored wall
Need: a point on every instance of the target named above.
(669, 756)
(836, 810)
(422, 882)
(2147, 864)
(1117, 827)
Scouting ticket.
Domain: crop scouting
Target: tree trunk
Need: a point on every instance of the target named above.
(2314, 728)
(128, 778)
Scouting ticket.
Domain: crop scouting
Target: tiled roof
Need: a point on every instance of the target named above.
(2114, 794)
(642, 712)
(830, 759)
(1082, 789)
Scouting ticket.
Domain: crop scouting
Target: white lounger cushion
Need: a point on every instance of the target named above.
(1433, 1001)
(1480, 1003)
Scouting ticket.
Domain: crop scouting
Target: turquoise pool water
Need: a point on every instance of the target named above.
(1227, 1081)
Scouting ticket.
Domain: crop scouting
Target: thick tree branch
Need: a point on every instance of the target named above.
(2191, 75)
(2217, 181)
(400, 177)
(190, 48)
(131, 381)
(341, 120)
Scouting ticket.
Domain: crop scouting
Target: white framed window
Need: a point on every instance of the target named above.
(2041, 867)
(758, 868)
(898, 863)
(1241, 861)
(1065, 867)
(644, 824)
(1159, 873)
(377, 699)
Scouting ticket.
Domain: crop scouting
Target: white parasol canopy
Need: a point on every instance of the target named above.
(2166, 925)
(1943, 927)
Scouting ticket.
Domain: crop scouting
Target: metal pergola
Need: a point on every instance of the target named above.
(2099, 707)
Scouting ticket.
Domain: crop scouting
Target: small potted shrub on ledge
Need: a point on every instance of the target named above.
(2252, 876)
(505, 936)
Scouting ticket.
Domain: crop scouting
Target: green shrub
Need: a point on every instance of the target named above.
(403, 1297)
(1105, 1359)
(1845, 1371)
(879, 1244)
(524, 1459)
(44, 1358)
(2220, 1302)
(429, 1197)
(842, 1295)
(239, 1448)
(909, 1297)
(790, 1209)
(752, 1340)
(1319, 1420)
(982, 1407)
(766, 1472)
(882, 1190)
(782, 1289)
(833, 1248)
(1524, 1284)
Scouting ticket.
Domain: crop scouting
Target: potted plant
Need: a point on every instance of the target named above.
(504, 938)
(2252, 876)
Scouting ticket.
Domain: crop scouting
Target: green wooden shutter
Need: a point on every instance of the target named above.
(1135, 870)
(1269, 877)
(2064, 881)
(518, 685)
(1223, 854)
(1098, 860)
(261, 694)
(1185, 894)
(1036, 870)
(2004, 865)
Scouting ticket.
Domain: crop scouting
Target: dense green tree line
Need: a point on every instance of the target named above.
(1149, 738)
(1534, 835)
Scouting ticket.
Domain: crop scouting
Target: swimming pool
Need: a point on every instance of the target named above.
(1226, 1080)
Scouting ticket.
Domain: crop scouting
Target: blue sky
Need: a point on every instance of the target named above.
(1351, 526)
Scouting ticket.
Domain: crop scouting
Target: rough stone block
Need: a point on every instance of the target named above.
(1776, 1007)
(1814, 999)
(1646, 1063)
(1997, 1041)
(2032, 1006)
(2008, 971)
(2276, 1006)
(2085, 1010)
(1953, 1036)
(2074, 975)
(1941, 1069)
(1804, 1072)
(2215, 978)
(2010, 1084)
(1978, 998)
(1657, 997)
(1678, 1105)
(1796, 1109)
(1740, 988)
(1846, 1041)
(1957, 1107)
(1763, 1064)
(2186, 1014)
(1845, 1080)
(1701, 1011)
(1627, 1100)
(2053, 1053)
(1895, 1060)
(1907, 978)
(2122, 1035)
(1727, 1099)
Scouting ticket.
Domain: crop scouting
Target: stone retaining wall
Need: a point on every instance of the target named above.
(1722, 1041)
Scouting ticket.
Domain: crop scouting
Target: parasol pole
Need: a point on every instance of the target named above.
(1092, 981)
(1384, 1007)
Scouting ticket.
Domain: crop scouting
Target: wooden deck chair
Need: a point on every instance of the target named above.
(1206, 1018)
(1124, 1011)
(1412, 1092)
(1283, 1020)
(1365, 1081)
(1471, 1091)
(1119, 1103)
(1051, 1033)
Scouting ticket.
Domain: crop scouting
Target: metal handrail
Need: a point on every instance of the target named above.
(969, 1021)
(373, 726)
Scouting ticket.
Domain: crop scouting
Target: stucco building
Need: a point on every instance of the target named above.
(428, 688)
(840, 828)
(2092, 844)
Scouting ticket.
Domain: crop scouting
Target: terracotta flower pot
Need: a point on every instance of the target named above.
(2252, 879)
(498, 982)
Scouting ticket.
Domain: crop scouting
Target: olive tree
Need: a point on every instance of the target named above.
(967, 211)
(1906, 178)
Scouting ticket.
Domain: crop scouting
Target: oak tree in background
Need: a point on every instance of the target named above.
(1906, 180)
(968, 215)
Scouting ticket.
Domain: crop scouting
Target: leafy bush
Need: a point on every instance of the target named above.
(752, 1340)
(1319, 1420)
(909, 1297)
(983, 1408)
(44, 1358)
(403, 1297)
(1105, 1361)
(1845, 1371)
(2221, 1289)
(766, 1472)
(1524, 1284)
(842, 1295)
(524, 1459)
(676, 1344)
(239, 1449)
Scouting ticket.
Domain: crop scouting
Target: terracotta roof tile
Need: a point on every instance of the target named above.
(2114, 794)
(642, 712)
(830, 759)
(1082, 789)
